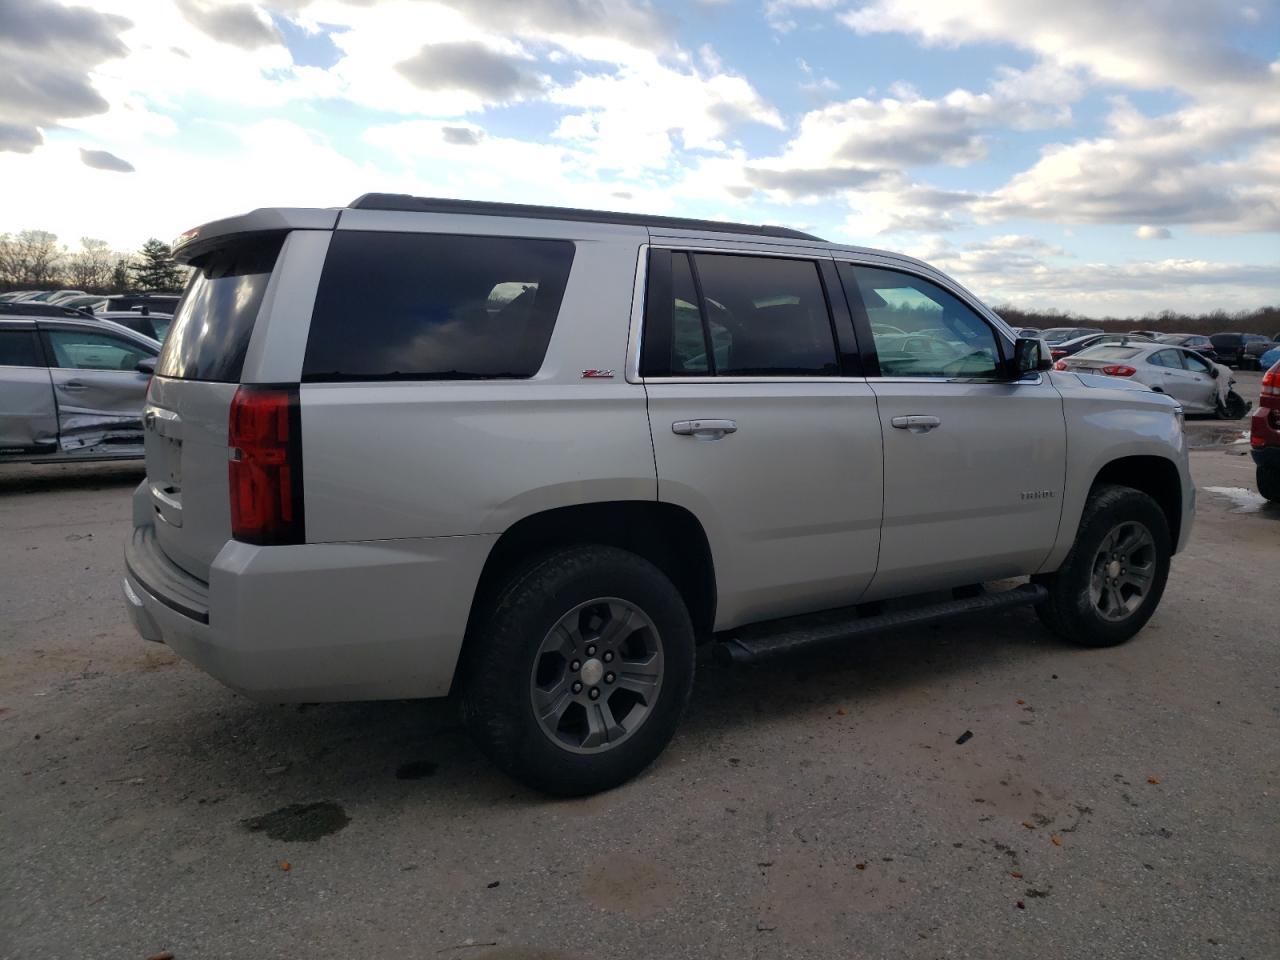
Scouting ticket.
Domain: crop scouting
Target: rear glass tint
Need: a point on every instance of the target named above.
(212, 325)
(18, 349)
(419, 306)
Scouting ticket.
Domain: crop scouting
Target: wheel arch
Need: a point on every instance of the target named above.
(1156, 476)
(668, 536)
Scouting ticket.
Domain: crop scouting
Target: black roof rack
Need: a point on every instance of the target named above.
(402, 201)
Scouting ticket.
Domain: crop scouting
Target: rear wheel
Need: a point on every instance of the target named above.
(578, 677)
(1269, 483)
(1112, 580)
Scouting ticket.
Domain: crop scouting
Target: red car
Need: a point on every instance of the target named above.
(1264, 438)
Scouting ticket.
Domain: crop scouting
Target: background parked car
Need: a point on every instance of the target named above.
(1199, 385)
(1264, 435)
(1233, 348)
(1060, 334)
(1028, 331)
(1192, 341)
(1255, 345)
(153, 325)
(1270, 358)
(1069, 347)
(165, 302)
(71, 389)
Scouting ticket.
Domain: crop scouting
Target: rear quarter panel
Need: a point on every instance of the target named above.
(430, 459)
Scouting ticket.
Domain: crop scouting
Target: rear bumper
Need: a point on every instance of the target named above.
(371, 620)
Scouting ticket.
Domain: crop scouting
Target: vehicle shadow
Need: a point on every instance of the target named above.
(390, 754)
(50, 477)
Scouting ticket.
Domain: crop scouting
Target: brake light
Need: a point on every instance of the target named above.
(1055, 354)
(265, 468)
(1119, 370)
(1270, 384)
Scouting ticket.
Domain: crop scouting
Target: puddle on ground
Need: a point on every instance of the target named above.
(1244, 499)
(1200, 436)
(299, 821)
(416, 770)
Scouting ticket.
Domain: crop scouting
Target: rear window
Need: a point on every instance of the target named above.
(419, 306)
(1107, 353)
(210, 332)
(18, 349)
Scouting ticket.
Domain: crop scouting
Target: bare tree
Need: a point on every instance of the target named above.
(38, 259)
(89, 268)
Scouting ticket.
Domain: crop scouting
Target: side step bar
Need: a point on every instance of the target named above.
(801, 633)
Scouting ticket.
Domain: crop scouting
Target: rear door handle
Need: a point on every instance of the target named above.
(917, 423)
(73, 385)
(704, 429)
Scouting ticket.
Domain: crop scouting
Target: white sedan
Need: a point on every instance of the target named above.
(1200, 385)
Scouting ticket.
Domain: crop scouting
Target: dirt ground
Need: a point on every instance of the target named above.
(1110, 803)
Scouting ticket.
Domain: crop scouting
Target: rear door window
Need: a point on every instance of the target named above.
(18, 348)
(1166, 358)
(210, 332)
(739, 316)
(421, 306)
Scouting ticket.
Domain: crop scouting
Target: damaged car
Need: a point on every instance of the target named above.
(72, 389)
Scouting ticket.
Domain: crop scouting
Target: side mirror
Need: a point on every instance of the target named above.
(1029, 355)
(146, 365)
(1214, 372)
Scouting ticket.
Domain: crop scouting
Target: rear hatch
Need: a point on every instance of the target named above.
(197, 374)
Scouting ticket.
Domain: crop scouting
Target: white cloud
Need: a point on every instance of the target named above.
(1160, 43)
(1148, 232)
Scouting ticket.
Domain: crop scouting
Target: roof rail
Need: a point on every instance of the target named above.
(407, 203)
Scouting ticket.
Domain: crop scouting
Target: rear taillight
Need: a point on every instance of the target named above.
(1269, 392)
(265, 469)
(1060, 365)
(1119, 370)
(1055, 354)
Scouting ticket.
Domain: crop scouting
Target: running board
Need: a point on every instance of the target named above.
(752, 647)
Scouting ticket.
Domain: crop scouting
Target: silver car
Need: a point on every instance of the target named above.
(1198, 384)
(72, 389)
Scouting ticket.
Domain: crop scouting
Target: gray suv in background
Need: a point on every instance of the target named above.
(533, 456)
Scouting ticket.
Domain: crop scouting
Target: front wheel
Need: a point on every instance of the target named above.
(579, 675)
(1112, 580)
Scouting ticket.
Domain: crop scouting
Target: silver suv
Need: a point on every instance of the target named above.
(533, 456)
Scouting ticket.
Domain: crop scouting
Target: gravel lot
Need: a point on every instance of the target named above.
(1112, 803)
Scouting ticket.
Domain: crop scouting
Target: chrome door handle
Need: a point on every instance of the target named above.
(917, 423)
(704, 429)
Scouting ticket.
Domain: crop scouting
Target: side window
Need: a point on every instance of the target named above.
(87, 350)
(737, 316)
(1166, 358)
(421, 306)
(18, 348)
(921, 330)
(1195, 363)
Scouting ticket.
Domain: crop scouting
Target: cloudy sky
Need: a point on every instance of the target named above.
(1095, 156)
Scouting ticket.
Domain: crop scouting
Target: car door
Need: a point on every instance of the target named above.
(1171, 377)
(98, 391)
(28, 417)
(974, 464)
(1202, 389)
(760, 429)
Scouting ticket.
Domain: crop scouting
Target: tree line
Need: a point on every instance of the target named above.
(35, 260)
(1264, 320)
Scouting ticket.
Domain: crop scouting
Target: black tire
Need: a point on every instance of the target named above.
(1071, 610)
(1234, 409)
(503, 655)
(1269, 483)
